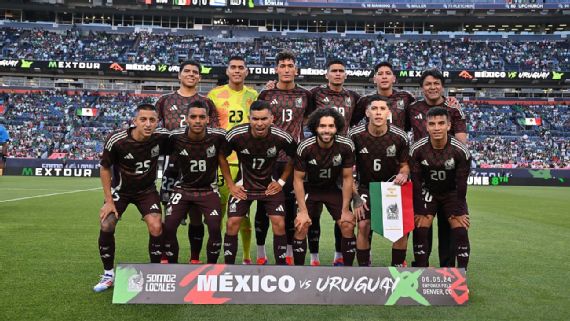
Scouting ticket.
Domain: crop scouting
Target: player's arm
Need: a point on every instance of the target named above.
(459, 124)
(237, 191)
(109, 205)
(302, 218)
(461, 175)
(347, 183)
(276, 187)
(403, 174)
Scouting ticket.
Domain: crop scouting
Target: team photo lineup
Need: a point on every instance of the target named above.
(295, 152)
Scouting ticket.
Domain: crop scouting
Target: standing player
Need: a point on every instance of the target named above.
(197, 149)
(128, 174)
(321, 162)
(232, 103)
(440, 167)
(381, 154)
(432, 82)
(258, 145)
(289, 104)
(332, 95)
(4, 139)
(172, 109)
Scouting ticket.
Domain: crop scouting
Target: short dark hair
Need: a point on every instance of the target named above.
(315, 119)
(145, 106)
(239, 58)
(383, 64)
(192, 63)
(198, 104)
(335, 62)
(284, 55)
(376, 97)
(434, 73)
(259, 105)
(437, 111)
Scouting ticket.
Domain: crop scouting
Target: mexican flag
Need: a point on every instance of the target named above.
(391, 209)
(89, 112)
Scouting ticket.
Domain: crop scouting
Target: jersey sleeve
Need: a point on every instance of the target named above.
(462, 173)
(348, 157)
(416, 172)
(404, 156)
(299, 163)
(213, 114)
(310, 103)
(458, 120)
(160, 109)
(108, 157)
(359, 111)
(291, 148)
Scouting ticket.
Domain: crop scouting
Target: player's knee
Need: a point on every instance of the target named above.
(108, 224)
(278, 225)
(364, 226)
(347, 229)
(401, 244)
(233, 224)
(154, 228)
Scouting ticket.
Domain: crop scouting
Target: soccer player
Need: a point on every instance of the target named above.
(432, 82)
(4, 139)
(440, 167)
(332, 95)
(128, 174)
(258, 145)
(232, 103)
(321, 162)
(399, 101)
(196, 149)
(172, 110)
(289, 104)
(381, 154)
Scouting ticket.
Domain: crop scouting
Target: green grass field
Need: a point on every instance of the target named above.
(49, 260)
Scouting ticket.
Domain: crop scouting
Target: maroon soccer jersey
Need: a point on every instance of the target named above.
(257, 156)
(343, 101)
(417, 115)
(134, 163)
(197, 161)
(323, 166)
(398, 102)
(289, 107)
(440, 170)
(378, 159)
(173, 108)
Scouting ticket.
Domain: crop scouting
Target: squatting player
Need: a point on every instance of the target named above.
(128, 174)
(258, 146)
(232, 103)
(321, 162)
(196, 149)
(440, 167)
(172, 109)
(382, 152)
(289, 104)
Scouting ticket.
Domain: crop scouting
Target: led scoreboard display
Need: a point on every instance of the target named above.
(202, 3)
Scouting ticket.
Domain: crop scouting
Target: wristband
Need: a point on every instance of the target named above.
(281, 182)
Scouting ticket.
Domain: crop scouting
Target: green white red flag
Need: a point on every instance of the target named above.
(392, 210)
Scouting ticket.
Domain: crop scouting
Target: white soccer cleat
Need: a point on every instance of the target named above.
(105, 283)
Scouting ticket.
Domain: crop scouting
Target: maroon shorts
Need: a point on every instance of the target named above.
(332, 199)
(274, 205)
(146, 202)
(446, 204)
(181, 202)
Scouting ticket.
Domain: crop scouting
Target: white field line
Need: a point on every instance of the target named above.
(52, 194)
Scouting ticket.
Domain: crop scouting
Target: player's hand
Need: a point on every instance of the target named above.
(302, 220)
(108, 209)
(401, 179)
(359, 212)
(453, 102)
(273, 188)
(347, 217)
(270, 84)
(463, 220)
(238, 192)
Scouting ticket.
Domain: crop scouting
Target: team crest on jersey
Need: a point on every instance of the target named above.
(391, 151)
(392, 212)
(272, 152)
(299, 102)
(348, 101)
(211, 151)
(155, 151)
(337, 159)
(400, 104)
(449, 164)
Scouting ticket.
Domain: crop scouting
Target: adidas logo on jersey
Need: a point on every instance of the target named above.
(424, 162)
(420, 116)
(154, 207)
(173, 107)
(245, 152)
(274, 102)
(214, 213)
(184, 153)
(313, 162)
(280, 209)
(129, 156)
(326, 100)
(364, 151)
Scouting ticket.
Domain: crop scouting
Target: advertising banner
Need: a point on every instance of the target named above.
(51, 167)
(518, 177)
(270, 284)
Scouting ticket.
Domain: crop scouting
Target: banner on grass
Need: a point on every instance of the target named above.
(391, 208)
(271, 284)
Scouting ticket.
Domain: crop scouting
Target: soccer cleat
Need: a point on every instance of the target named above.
(105, 283)
(247, 262)
(338, 262)
(195, 262)
(262, 261)
(315, 263)
(289, 260)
